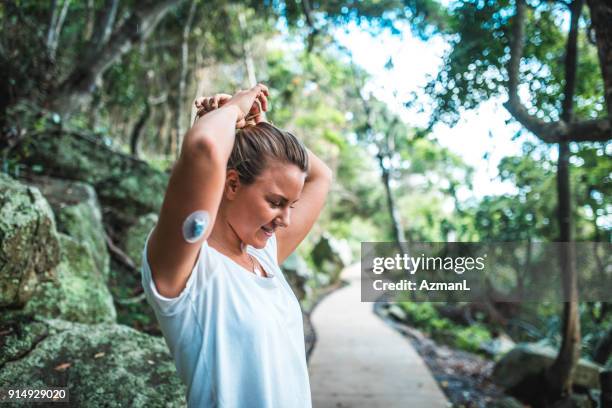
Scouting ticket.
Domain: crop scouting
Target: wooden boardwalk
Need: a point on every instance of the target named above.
(359, 361)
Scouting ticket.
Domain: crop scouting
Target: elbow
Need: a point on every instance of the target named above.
(200, 145)
(327, 174)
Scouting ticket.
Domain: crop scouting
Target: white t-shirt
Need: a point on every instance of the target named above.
(237, 338)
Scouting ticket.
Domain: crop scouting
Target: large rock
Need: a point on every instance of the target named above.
(107, 365)
(136, 235)
(128, 186)
(498, 346)
(77, 213)
(331, 255)
(19, 333)
(29, 248)
(79, 292)
(528, 359)
(298, 274)
(125, 283)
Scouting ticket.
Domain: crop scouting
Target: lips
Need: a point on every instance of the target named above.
(268, 231)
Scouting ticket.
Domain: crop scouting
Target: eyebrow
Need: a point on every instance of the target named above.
(283, 198)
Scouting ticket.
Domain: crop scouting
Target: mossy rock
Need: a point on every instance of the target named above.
(29, 248)
(77, 213)
(125, 185)
(330, 256)
(297, 273)
(136, 236)
(19, 334)
(79, 293)
(528, 359)
(108, 365)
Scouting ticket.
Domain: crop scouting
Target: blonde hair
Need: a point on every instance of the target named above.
(256, 146)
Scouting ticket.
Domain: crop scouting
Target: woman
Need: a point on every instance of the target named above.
(211, 272)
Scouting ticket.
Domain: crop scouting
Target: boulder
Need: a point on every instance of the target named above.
(331, 255)
(108, 365)
(297, 273)
(498, 346)
(77, 213)
(528, 359)
(29, 246)
(78, 292)
(19, 333)
(127, 187)
(136, 235)
(397, 312)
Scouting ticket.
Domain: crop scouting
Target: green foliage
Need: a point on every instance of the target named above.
(530, 213)
(475, 70)
(471, 337)
(425, 317)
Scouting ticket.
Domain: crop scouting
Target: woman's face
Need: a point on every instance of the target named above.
(266, 203)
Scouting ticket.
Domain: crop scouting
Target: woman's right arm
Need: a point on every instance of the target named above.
(196, 184)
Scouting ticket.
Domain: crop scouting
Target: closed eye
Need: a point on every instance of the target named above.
(276, 205)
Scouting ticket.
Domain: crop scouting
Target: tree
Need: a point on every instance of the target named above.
(525, 50)
(77, 88)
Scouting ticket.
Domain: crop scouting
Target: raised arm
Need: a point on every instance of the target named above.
(307, 209)
(196, 184)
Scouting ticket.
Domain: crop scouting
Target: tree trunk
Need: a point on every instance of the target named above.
(180, 128)
(91, 18)
(601, 18)
(105, 20)
(246, 50)
(603, 350)
(76, 90)
(560, 373)
(396, 224)
(55, 27)
(137, 130)
(605, 379)
(247, 53)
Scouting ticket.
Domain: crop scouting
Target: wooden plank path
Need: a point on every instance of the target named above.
(359, 361)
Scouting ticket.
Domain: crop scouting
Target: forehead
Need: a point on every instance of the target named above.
(284, 179)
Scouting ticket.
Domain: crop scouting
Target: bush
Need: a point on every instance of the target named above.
(425, 317)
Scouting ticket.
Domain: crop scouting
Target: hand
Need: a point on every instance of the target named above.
(205, 104)
(251, 104)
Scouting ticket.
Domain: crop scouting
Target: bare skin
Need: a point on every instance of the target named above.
(237, 212)
(243, 212)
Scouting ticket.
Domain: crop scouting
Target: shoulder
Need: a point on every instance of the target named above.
(198, 278)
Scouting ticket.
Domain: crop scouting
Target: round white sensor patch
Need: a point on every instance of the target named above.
(195, 226)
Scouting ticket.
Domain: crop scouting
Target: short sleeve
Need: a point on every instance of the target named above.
(161, 304)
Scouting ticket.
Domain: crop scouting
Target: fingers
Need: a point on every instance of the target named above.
(198, 101)
(263, 101)
(211, 102)
(252, 102)
(214, 102)
(261, 88)
(222, 99)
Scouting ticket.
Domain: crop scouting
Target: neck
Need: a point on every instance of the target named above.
(225, 238)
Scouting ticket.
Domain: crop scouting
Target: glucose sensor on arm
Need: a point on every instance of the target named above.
(195, 226)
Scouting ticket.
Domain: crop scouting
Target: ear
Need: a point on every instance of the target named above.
(232, 184)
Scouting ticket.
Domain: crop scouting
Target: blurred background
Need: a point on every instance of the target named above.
(466, 121)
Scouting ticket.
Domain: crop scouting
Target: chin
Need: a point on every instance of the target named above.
(260, 241)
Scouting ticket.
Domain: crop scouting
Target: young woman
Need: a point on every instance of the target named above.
(211, 272)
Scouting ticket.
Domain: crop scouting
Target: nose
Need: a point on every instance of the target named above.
(285, 217)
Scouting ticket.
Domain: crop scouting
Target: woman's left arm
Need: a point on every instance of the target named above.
(307, 209)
